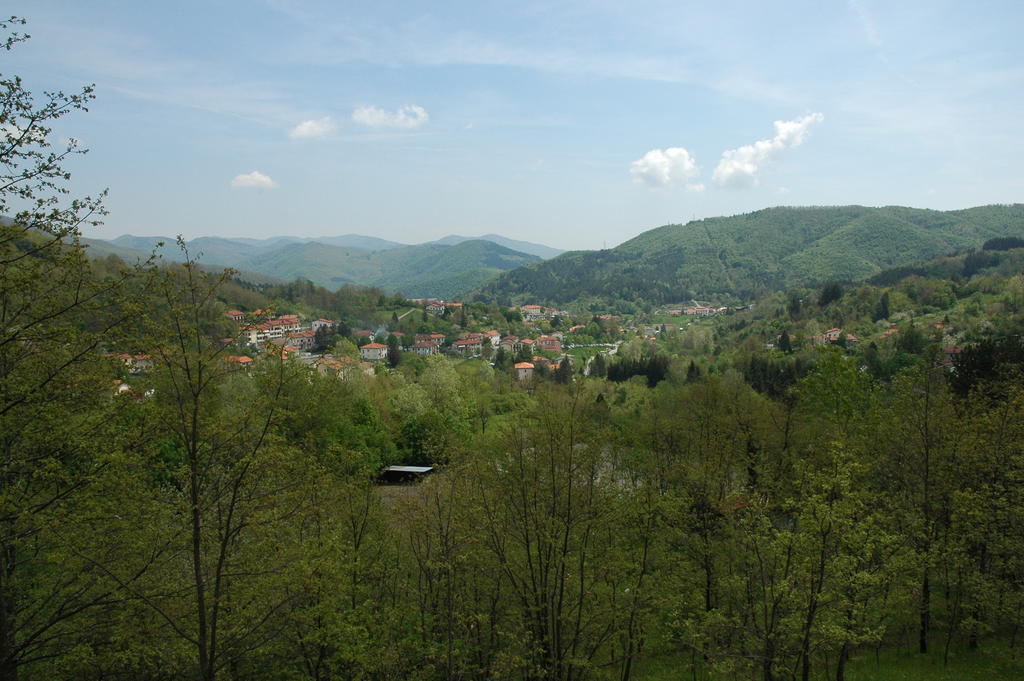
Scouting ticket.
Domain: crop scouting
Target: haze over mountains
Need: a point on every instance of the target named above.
(444, 268)
(726, 257)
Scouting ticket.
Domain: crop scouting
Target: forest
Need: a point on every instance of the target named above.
(677, 519)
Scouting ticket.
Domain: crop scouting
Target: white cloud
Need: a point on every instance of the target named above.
(311, 129)
(405, 117)
(740, 167)
(254, 179)
(666, 167)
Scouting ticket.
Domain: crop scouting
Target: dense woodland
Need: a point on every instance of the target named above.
(748, 256)
(689, 514)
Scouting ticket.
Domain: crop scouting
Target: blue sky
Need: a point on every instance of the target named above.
(575, 124)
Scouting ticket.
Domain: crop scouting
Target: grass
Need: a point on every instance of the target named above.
(993, 661)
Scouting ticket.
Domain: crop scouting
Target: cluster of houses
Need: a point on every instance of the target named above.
(470, 344)
(133, 363)
(536, 313)
(436, 305)
(697, 310)
(833, 336)
(289, 332)
(286, 331)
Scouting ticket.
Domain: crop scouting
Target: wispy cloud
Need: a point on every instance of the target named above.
(674, 166)
(867, 22)
(649, 50)
(740, 167)
(139, 68)
(404, 118)
(311, 129)
(253, 180)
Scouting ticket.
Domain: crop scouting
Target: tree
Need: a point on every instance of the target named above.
(569, 546)
(784, 343)
(394, 351)
(882, 310)
(216, 490)
(563, 374)
(830, 293)
(692, 372)
(55, 406)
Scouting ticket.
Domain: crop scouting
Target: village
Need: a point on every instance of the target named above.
(290, 335)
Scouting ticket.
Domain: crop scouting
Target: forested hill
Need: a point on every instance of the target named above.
(746, 255)
(417, 271)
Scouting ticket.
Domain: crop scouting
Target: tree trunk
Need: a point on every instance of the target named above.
(925, 614)
(844, 655)
(8, 656)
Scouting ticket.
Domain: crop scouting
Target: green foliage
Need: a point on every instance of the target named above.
(748, 255)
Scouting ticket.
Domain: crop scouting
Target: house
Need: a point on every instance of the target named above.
(468, 346)
(242, 361)
(303, 340)
(699, 311)
(549, 343)
(510, 343)
(373, 352)
(318, 324)
(261, 332)
(335, 366)
(235, 315)
(532, 313)
(364, 333)
(435, 307)
(425, 348)
(949, 356)
(494, 337)
(135, 364)
(524, 370)
(833, 335)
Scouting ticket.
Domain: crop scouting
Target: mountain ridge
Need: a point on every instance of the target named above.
(734, 257)
(417, 271)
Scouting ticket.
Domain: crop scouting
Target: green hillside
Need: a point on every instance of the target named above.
(745, 255)
(417, 271)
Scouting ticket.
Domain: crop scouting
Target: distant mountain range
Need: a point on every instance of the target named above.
(445, 268)
(723, 258)
(747, 255)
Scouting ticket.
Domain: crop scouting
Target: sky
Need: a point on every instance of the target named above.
(573, 124)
